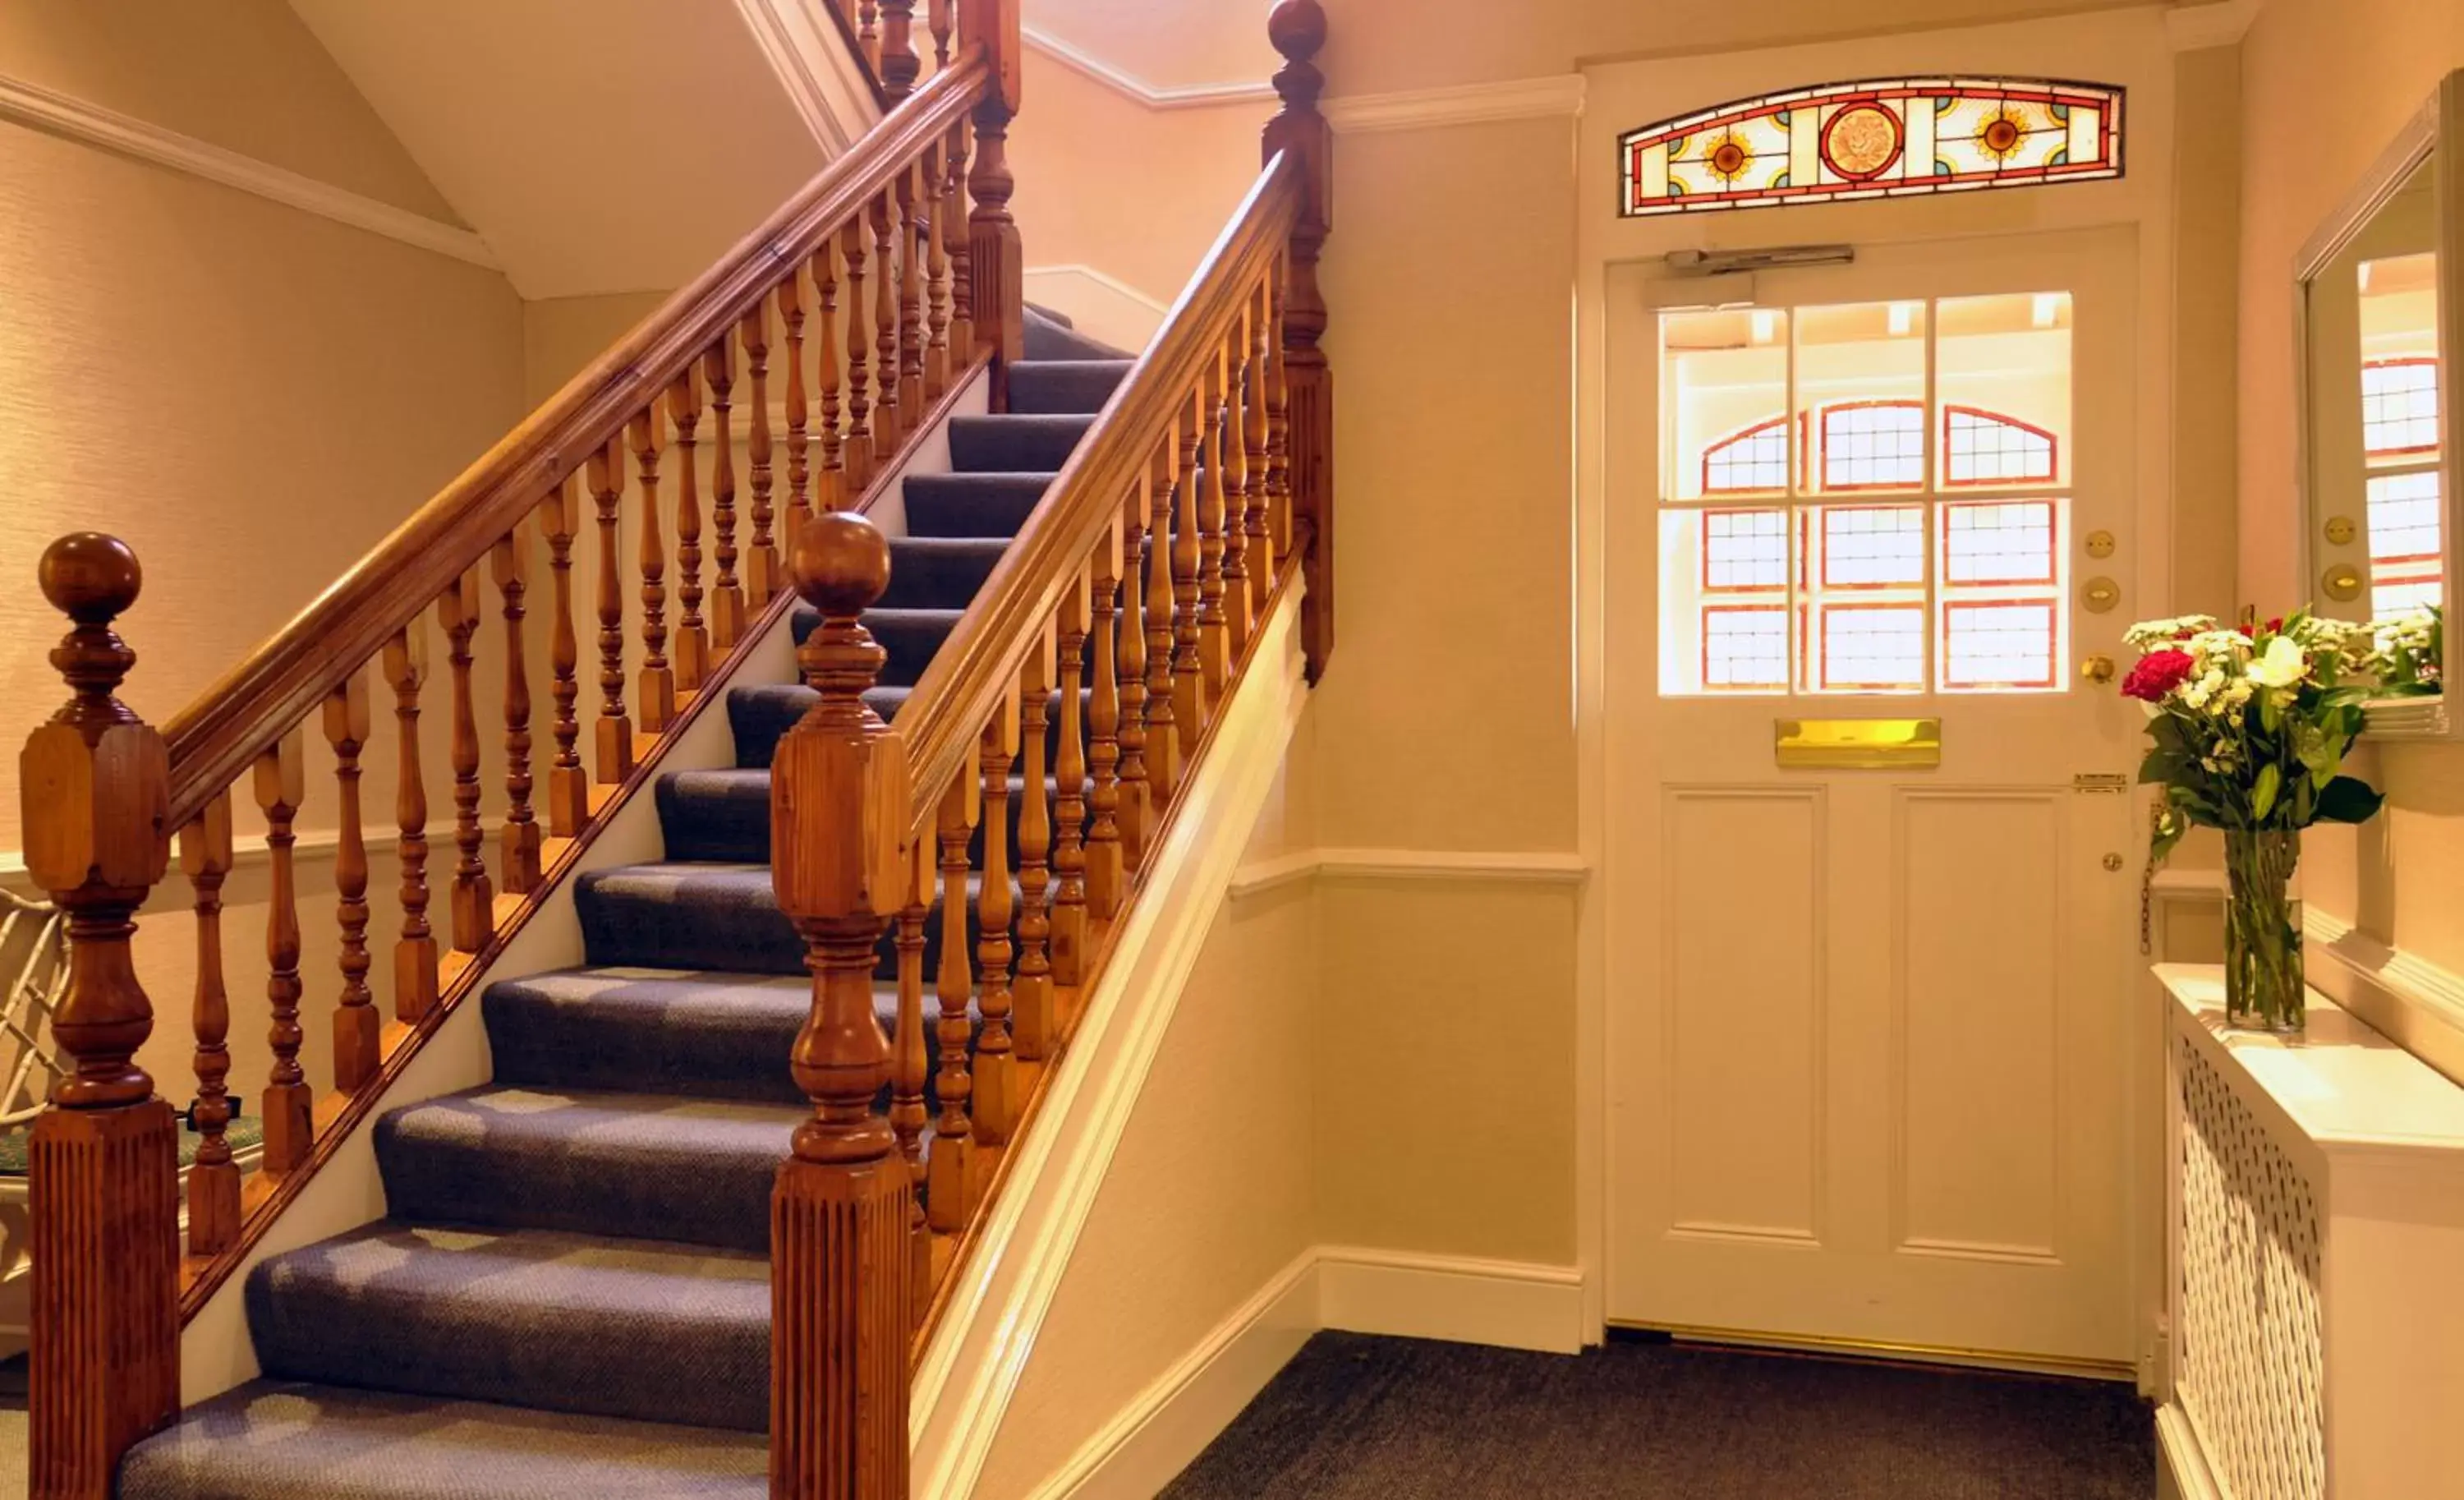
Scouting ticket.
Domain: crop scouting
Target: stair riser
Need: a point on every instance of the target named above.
(1010, 444)
(622, 932)
(760, 717)
(736, 828)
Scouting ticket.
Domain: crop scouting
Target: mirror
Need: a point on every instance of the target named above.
(2378, 305)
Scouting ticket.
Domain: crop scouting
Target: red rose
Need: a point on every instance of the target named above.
(2158, 673)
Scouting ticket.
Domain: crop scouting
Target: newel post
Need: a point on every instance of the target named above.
(1298, 30)
(995, 265)
(95, 784)
(840, 1260)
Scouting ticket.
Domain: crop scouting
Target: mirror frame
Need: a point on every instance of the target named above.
(2440, 121)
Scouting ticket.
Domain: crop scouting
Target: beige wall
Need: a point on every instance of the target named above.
(562, 333)
(2325, 84)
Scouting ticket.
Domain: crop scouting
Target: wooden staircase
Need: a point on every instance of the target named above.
(1096, 655)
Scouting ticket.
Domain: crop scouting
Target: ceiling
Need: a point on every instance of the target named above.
(597, 145)
(1164, 45)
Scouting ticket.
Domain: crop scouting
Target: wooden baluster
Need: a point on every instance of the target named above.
(607, 481)
(949, 1174)
(726, 594)
(1032, 992)
(1132, 813)
(1258, 554)
(996, 1097)
(658, 681)
(692, 632)
(857, 450)
(511, 564)
(1278, 428)
(889, 414)
(763, 578)
(867, 34)
(899, 64)
(1105, 725)
(1297, 28)
(1234, 448)
(1163, 742)
(999, 304)
(213, 1180)
(474, 897)
(1188, 672)
(1214, 629)
(939, 21)
(915, 233)
(414, 954)
(839, 1251)
(290, 1127)
(909, 1065)
(1069, 801)
(568, 785)
(955, 234)
(939, 210)
(355, 1023)
(791, 314)
(103, 1180)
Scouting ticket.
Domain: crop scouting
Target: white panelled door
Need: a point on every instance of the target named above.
(1868, 1069)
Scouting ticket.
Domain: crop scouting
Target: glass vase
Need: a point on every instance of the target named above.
(2263, 987)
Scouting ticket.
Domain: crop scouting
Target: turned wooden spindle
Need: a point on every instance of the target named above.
(605, 476)
(568, 785)
(939, 210)
(355, 1022)
(956, 236)
(94, 789)
(1070, 797)
(996, 1096)
(889, 414)
(692, 632)
(868, 33)
(949, 1177)
(1234, 448)
(475, 896)
(915, 232)
(910, 1060)
(799, 416)
(1257, 552)
(726, 593)
(1189, 696)
(1031, 1021)
(1278, 428)
(658, 681)
(1133, 673)
(213, 1177)
(899, 66)
(1297, 28)
(1104, 723)
(1213, 626)
(762, 577)
(511, 564)
(1165, 730)
(856, 449)
(939, 19)
(840, 1247)
(281, 782)
(994, 262)
(414, 953)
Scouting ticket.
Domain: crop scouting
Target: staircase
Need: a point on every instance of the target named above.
(726, 1180)
(572, 1294)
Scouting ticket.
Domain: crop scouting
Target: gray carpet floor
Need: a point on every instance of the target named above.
(1360, 1418)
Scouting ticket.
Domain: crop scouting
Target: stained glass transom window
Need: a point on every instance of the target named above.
(1753, 461)
(1884, 138)
(1988, 448)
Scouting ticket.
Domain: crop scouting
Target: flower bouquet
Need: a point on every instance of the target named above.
(2249, 728)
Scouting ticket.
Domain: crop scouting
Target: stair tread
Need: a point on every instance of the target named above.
(342, 1443)
(655, 1031)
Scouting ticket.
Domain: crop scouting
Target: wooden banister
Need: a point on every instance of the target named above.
(213, 740)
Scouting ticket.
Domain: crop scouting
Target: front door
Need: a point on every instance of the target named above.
(1867, 1069)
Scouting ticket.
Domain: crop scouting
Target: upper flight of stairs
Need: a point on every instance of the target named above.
(571, 1297)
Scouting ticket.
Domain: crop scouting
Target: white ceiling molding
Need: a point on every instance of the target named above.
(124, 135)
(1195, 96)
(2192, 28)
(1468, 105)
(821, 76)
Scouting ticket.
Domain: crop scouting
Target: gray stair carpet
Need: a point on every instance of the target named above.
(570, 1295)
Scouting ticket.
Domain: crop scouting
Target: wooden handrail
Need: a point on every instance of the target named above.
(215, 737)
(981, 663)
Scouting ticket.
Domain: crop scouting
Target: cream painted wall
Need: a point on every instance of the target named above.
(2325, 85)
(562, 333)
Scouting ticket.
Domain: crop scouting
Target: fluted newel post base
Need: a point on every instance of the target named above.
(841, 1275)
(1301, 468)
(105, 1366)
(1312, 440)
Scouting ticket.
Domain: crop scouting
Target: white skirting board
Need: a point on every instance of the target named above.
(2182, 1471)
(1169, 1423)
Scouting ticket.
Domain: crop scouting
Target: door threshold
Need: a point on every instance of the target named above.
(1868, 1351)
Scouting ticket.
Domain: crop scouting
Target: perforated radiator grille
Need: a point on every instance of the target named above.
(2249, 1369)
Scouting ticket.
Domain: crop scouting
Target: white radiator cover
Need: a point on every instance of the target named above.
(2315, 1260)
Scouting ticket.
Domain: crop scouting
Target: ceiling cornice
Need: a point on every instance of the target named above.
(1466, 104)
(1203, 96)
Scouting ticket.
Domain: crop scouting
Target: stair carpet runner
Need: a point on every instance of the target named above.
(571, 1297)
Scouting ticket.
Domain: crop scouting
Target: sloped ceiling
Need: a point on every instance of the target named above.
(598, 145)
(1165, 45)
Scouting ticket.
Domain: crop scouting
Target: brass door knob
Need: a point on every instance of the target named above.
(2098, 670)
